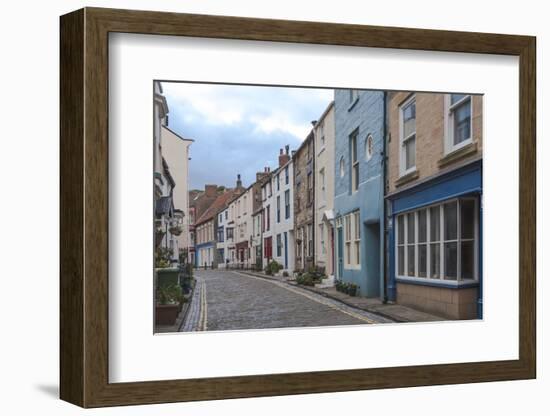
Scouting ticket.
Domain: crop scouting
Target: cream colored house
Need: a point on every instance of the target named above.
(324, 191)
(166, 219)
(175, 150)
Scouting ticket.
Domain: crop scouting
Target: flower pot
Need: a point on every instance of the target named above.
(166, 314)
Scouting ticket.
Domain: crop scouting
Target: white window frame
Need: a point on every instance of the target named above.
(449, 123)
(322, 180)
(402, 154)
(441, 279)
(352, 240)
(357, 238)
(347, 241)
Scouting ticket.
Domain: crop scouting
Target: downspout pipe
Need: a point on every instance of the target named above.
(384, 204)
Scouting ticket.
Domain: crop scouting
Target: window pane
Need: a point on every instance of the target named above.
(456, 98)
(401, 260)
(450, 220)
(422, 223)
(401, 229)
(467, 259)
(422, 260)
(467, 218)
(435, 224)
(435, 261)
(462, 117)
(357, 253)
(410, 153)
(409, 120)
(410, 260)
(450, 261)
(410, 227)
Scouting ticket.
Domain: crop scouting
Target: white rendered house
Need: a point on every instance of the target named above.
(324, 191)
(283, 212)
(175, 150)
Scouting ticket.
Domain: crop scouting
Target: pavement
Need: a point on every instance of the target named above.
(392, 311)
(234, 300)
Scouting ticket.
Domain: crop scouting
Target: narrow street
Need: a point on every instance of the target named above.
(231, 300)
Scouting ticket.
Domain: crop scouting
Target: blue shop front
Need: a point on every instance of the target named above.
(435, 244)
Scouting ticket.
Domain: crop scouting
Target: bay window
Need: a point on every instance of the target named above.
(439, 242)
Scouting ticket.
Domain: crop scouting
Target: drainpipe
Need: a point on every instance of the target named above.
(384, 210)
(313, 225)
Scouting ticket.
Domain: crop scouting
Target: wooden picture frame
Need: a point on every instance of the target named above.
(84, 207)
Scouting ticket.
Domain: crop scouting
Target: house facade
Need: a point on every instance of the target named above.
(267, 219)
(324, 132)
(207, 229)
(166, 222)
(304, 208)
(242, 208)
(176, 153)
(435, 203)
(282, 212)
(221, 240)
(358, 189)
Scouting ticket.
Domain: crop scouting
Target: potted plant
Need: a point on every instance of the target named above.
(168, 305)
(175, 230)
(352, 289)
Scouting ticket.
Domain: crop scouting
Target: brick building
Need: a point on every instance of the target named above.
(304, 208)
(435, 202)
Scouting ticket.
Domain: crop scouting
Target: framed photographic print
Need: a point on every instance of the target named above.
(255, 207)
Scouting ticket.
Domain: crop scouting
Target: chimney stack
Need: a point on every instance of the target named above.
(283, 157)
(210, 190)
(239, 182)
(287, 147)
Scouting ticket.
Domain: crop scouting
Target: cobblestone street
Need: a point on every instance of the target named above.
(229, 300)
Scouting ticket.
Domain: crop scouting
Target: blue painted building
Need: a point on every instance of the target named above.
(359, 190)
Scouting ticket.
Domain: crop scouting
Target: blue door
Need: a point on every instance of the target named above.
(286, 250)
(340, 253)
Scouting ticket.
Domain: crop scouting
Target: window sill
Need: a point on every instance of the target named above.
(449, 284)
(408, 177)
(458, 154)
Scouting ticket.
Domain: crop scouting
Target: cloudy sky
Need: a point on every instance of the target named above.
(240, 129)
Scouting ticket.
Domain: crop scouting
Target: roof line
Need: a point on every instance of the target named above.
(177, 135)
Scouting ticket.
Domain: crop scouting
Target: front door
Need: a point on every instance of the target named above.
(340, 253)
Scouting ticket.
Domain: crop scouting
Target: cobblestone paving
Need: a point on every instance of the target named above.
(195, 319)
(227, 300)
